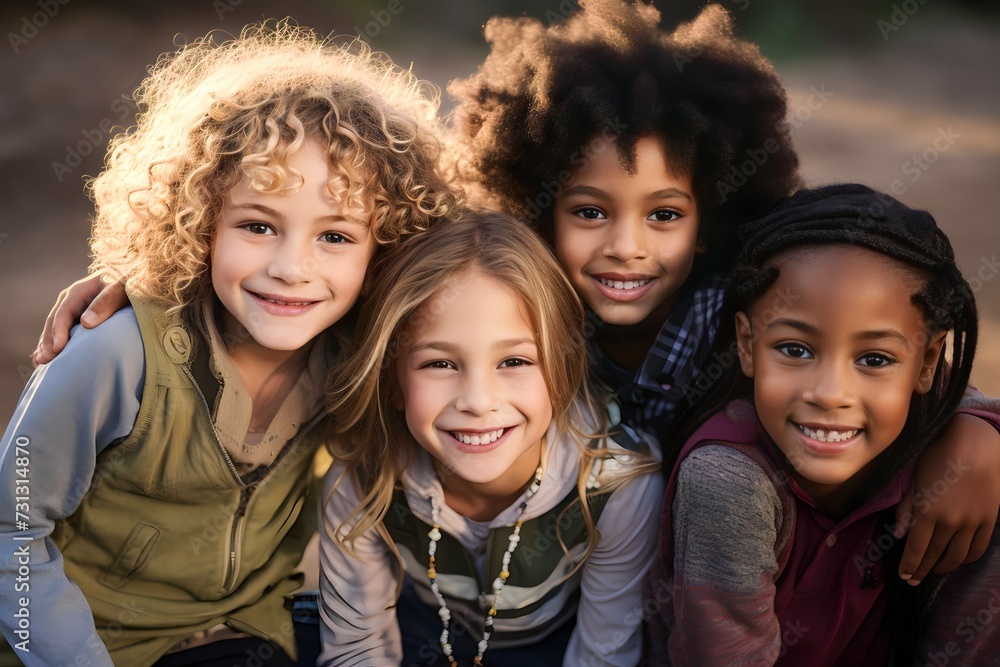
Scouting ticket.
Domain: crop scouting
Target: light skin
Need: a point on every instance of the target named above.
(285, 266)
(835, 367)
(473, 392)
(628, 243)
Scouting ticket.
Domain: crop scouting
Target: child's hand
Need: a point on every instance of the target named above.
(71, 302)
(951, 507)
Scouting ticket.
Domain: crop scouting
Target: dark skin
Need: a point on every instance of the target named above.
(943, 531)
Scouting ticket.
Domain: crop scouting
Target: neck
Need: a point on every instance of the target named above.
(260, 368)
(836, 499)
(485, 501)
(627, 344)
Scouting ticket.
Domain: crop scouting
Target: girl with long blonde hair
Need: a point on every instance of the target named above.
(475, 463)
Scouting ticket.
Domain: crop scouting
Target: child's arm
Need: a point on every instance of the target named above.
(963, 626)
(358, 595)
(69, 412)
(84, 301)
(610, 615)
(952, 505)
(726, 515)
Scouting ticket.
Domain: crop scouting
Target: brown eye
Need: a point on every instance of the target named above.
(589, 213)
(257, 228)
(334, 237)
(873, 360)
(664, 215)
(794, 350)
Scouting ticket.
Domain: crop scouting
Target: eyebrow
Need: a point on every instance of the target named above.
(267, 210)
(874, 334)
(451, 348)
(666, 193)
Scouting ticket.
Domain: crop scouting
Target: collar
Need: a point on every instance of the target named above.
(233, 407)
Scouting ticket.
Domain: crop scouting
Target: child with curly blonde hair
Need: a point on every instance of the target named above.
(169, 456)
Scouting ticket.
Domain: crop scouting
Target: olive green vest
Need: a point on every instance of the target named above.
(168, 540)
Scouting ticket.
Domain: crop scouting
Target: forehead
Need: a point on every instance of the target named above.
(843, 284)
(605, 158)
(471, 305)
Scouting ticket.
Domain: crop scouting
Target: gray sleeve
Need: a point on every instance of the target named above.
(609, 618)
(357, 592)
(72, 408)
(726, 518)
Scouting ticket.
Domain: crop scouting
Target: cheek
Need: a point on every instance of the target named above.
(570, 248)
(679, 252)
(538, 395)
(890, 407)
(772, 386)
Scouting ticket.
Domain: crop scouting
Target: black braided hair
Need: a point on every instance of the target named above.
(524, 119)
(859, 216)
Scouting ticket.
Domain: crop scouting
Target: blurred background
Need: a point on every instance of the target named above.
(881, 92)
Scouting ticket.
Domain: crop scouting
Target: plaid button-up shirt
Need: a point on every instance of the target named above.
(665, 381)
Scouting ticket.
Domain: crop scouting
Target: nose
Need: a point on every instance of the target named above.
(479, 393)
(293, 261)
(626, 239)
(830, 386)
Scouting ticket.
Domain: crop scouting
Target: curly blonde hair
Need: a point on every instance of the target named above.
(212, 113)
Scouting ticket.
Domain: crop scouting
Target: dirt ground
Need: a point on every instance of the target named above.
(918, 107)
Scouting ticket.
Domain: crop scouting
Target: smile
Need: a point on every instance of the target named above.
(623, 284)
(486, 438)
(828, 436)
(281, 302)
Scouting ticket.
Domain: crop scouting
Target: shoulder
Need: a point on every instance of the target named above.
(726, 517)
(717, 482)
(116, 343)
(720, 470)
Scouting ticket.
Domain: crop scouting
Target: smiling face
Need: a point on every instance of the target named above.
(287, 265)
(836, 350)
(627, 241)
(472, 386)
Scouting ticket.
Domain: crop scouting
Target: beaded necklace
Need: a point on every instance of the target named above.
(498, 583)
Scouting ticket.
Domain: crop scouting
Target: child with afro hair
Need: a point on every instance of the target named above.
(551, 103)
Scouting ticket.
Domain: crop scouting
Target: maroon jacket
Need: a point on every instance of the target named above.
(776, 581)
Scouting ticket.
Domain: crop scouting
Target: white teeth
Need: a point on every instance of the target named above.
(477, 438)
(624, 284)
(285, 303)
(828, 436)
(288, 303)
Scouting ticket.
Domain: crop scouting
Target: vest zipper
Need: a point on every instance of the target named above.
(236, 537)
(236, 533)
(215, 434)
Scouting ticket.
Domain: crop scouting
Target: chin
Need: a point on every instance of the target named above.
(620, 316)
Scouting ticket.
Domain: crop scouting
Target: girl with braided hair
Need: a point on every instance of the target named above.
(777, 536)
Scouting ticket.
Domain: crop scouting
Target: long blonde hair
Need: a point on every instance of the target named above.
(376, 445)
(214, 112)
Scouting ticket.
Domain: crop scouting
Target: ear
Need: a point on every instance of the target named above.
(744, 343)
(929, 363)
(701, 248)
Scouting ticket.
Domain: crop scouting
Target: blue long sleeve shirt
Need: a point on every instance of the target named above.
(71, 410)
